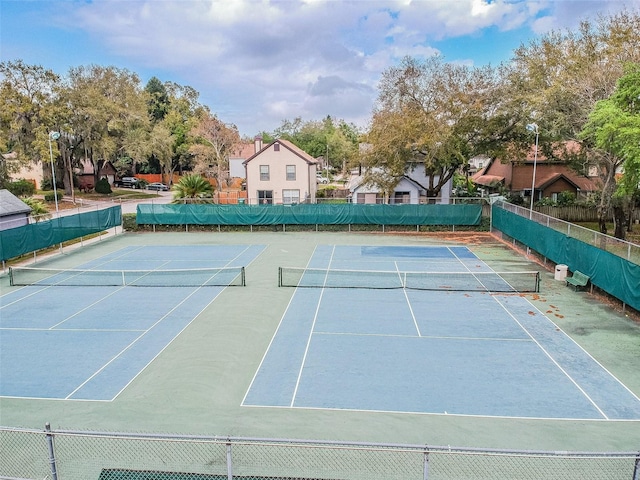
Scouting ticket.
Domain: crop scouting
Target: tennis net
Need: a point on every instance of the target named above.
(193, 277)
(452, 281)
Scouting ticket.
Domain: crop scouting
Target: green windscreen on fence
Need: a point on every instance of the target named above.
(607, 271)
(308, 214)
(36, 236)
(118, 474)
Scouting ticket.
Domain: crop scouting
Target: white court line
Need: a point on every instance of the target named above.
(30, 329)
(553, 359)
(275, 334)
(188, 323)
(313, 324)
(406, 297)
(437, 337)
(580, 347)
(463, 415)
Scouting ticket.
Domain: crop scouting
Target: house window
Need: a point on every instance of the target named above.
(291, 172)
(276, 147)
(401, 197)
(265, 197)
(290, 196)
(264, 172)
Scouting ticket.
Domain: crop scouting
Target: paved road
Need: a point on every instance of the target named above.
(128, 206)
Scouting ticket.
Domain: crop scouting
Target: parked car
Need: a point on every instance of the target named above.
(127, 182)
(321, 179)
(157, 186)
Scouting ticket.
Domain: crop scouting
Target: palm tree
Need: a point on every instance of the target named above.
(38, 209)
(192, 189)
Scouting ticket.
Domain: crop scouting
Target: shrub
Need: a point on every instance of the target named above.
(47, 184)
(566, 198)
(51, 196)
(21, 188)
(129, 222)
(103, 186)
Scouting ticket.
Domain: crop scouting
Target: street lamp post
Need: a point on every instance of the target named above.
(54, 136)
(533, 127)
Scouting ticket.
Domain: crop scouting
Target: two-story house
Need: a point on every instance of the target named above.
(280, 173)
(411, 188)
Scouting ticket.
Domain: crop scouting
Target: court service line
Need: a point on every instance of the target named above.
(32, 329)
(435, 337)
(553, 359)
(406, 297)
(313, 325)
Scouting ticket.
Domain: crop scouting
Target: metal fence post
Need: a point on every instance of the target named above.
(52, 456)
(425, 470)
(636, 468)
(229, 462)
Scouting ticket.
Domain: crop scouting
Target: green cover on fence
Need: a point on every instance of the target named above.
(36, 236)
(122, 474)
(305, 214)
(613, 274)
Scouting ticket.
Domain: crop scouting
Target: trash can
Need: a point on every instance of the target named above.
(561, 272)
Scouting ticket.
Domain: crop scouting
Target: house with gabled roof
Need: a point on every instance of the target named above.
(13, 211)
(280, 173)
(552, 177)
(411, 188)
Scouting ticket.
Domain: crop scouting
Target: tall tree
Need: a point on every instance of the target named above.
(425, 117)
(335, 141)
(613, 131)
(214, 141)
(27, 113)
(557, 79)
(158, 99)
(105, 104)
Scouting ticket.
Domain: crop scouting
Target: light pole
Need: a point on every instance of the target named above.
(53, 136)
(533, 127)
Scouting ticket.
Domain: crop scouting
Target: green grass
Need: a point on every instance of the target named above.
(633, 236)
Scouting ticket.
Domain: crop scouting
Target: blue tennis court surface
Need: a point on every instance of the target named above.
(433, 352)
(90, 342)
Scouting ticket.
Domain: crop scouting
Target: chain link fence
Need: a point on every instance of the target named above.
(621, 248)
(69, 455)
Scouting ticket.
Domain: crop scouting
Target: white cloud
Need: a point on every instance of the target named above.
(262, 61)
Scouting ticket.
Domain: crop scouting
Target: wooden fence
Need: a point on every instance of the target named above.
(577, 213)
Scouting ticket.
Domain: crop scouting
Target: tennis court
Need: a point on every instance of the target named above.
(318, 363)
(376, 332)
(86, 333)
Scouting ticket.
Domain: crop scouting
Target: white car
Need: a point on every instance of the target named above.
(157, 186)
(321, 179)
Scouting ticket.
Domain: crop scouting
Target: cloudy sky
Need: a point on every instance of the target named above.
(257, 62)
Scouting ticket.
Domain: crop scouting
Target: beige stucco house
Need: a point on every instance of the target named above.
(280, 173)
